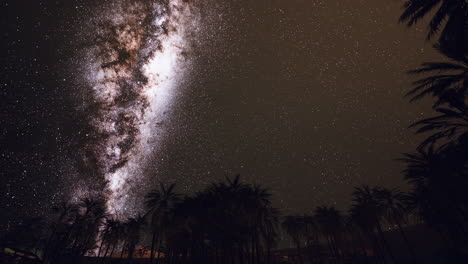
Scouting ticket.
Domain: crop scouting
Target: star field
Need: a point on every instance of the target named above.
(304, 97)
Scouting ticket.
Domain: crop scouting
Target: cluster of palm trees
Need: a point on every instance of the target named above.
(357, 236)
(74, 230)
(446, 82)
(229, 222)
(85, 228)
(438, 171)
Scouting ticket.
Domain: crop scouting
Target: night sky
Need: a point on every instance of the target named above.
(304, 97)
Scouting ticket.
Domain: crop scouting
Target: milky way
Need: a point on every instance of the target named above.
(132, 70)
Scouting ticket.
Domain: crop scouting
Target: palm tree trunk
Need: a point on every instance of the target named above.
(268, 254)
(335, 247)
(159, 250)
(112, 251)
(123, 249)
(408, 244)
(330, 248)
(257, 248)
(363, 244)
(85, 245)
(252, 251)
(386, 245)
(378, 251)
(100, 248)
(299, 252)
(241, 255)
(152, 247)
(105, 253)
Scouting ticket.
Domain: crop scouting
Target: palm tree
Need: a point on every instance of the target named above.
(331, 226)
(393, 203)
(449, 82)
(269, 228)
(233, 218)
(449, 124)
(160, 204)
(439, 180)
(107, 235)
(294, 227)
(452, 13)
(228, 222)
(133, 226)
(368, 214)
(312, 236)
(63, 216)
(90, 221)
(356, 232)
(117, 234)
(263, 218)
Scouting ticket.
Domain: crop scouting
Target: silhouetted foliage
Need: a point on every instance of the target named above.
(449, 19)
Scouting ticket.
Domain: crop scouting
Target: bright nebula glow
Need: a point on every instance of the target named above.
(133, 70)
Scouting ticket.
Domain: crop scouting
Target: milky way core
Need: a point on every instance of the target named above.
(133, 70)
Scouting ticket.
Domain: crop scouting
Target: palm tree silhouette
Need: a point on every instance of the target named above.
(263, 218)
(331, 226)
(439, 180)
(133, 226)
(269, 229)
(452, 13)
(366, 211)
(449, 82)
(64, 213)
(293, 226)
(160, 204)
(109, 236)
(84, 227)
(91, 220)
(393, 204)
(227, 222)
(449, 124)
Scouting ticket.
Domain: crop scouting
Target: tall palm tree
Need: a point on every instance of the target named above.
(311, 229)
(269, 229)
(366, 211)
(160, 204)
(393, 203)
(234, 218)
(331, 226)
(133, 227)
(262, 217)
(63, 213)
(451, 14)
(312, 236)
(91, 221)
(439, 177)
(228, 222)
(109, 227)
(84, 229)
(293, 226)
